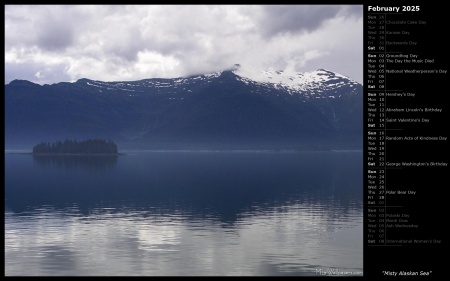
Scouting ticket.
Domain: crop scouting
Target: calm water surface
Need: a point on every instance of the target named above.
(185, 213)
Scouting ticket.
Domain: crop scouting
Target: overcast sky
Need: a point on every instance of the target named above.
(49, 44)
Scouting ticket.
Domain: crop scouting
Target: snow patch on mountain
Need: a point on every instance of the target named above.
(320, 83)
(297, 81)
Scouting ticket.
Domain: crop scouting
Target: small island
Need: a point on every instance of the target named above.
(74, 147)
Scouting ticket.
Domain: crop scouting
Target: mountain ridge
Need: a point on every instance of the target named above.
(220, 109)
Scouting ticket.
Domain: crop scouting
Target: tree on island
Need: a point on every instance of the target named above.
(90, 146)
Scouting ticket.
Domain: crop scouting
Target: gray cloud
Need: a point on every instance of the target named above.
(54, 36)
(135, 42)
(288, 18)
(128, 46)
(47, 27)
(352, 10)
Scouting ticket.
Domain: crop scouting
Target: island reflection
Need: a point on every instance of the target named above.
(75, 162)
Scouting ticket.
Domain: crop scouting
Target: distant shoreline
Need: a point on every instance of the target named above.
(128, 152)
(67, 154)
(182, 150)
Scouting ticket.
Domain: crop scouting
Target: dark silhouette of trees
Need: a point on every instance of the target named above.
(90, 146)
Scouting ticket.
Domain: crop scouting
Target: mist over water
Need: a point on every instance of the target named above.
(184, 213)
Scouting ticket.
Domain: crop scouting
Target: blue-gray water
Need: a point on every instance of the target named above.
(185, 213)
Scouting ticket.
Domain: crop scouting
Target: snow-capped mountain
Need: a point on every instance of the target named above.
(314, 81)
(308, 83)
(227, 108)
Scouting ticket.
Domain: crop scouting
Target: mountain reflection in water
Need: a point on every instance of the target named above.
(184, 213)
